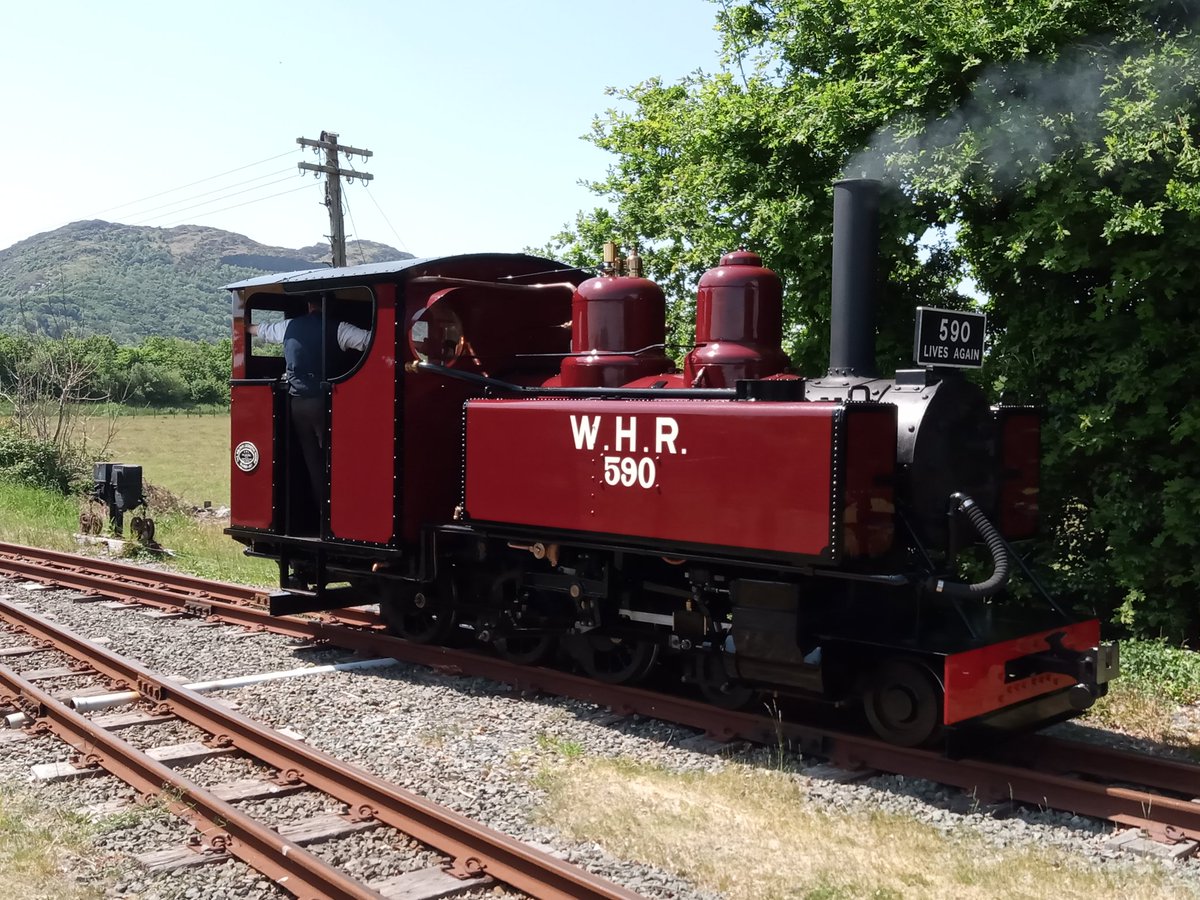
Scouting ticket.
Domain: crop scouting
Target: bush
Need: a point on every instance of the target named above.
(210, 391)
(1158, 669)
(157, 385)
(40, 464)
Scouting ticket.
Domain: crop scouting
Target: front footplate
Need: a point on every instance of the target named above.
(993, 677)
(1092, 667)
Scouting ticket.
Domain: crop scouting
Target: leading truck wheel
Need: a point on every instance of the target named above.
(903, 703)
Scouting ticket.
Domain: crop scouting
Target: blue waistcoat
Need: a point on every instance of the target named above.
(302, 352)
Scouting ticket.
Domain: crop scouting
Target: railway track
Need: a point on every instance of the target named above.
(1130, 789)
(475, 855)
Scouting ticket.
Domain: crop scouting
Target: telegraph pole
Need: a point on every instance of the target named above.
(333, 185)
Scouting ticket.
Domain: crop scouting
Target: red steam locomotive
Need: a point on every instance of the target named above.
(515, 458)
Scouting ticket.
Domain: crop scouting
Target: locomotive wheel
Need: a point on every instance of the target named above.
(527, 650)
(717, 688)
(903, 703)
(530, 648)
(415, 613)
(617, 660)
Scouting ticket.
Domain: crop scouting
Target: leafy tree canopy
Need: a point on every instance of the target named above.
(1054, 139)
(156, 372)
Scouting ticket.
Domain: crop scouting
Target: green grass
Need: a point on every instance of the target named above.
(1156, 679)
(37, 518)
(186, 455)
(203, 549)
(1158, 669)
(567, 749)
(40, 846)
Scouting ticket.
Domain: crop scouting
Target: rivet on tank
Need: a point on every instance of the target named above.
(739, 324)
(618, 327)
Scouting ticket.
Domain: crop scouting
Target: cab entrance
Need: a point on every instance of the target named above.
(305, 329)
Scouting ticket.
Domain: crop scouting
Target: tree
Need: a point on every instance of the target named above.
(45, 383)
(1055, 139)
(1092, 264)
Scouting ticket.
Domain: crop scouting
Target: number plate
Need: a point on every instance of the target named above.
(947, 337)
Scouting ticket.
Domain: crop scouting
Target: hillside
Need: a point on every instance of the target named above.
(132, 281)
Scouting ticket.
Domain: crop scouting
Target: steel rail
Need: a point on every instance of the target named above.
(223, 827)
(127, 573)
(1060, 755)
(629, 700)
(188, 586)
(475, 848)
(994, 779)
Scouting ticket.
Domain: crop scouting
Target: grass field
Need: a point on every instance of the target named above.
(37, 518)
(186, 455)
(189, 457)
(41, 849)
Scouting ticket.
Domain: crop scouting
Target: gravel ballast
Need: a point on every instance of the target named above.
(467, 743)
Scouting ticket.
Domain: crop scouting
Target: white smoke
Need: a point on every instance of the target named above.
(1018, 115)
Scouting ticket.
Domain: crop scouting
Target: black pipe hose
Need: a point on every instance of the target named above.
(996, 545)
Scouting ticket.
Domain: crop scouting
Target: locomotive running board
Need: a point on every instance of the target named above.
(289, 603)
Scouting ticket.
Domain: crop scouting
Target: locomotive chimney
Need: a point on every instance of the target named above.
(855, 258)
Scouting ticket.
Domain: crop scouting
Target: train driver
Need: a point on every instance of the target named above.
(303, 349)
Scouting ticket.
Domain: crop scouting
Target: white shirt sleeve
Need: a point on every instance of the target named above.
(273, 332)
(351, 337)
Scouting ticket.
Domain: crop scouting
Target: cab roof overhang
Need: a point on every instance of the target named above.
(317, 279)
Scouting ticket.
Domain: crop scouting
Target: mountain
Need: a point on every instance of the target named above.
(131, 281)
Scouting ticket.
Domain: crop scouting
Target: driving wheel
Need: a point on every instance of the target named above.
(715, 684)
(527, 649)
(615, 660)
(417, 613)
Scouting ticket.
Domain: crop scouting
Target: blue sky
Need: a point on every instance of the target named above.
(474, 111)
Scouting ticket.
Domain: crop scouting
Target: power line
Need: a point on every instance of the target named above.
(386, 219)
(193, 183)
(176, 212)
(208, 193)
(354, 225)
(213, 212)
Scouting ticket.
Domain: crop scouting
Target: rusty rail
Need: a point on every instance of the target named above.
(1036, 775)
(223, 827)
(474, 848)
(163, 583)
(125, 573)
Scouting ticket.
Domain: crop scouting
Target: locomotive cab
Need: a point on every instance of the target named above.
(390, 446)
(272, 490)
(355, 306)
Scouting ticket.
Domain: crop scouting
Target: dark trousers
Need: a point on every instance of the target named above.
(308, 426)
